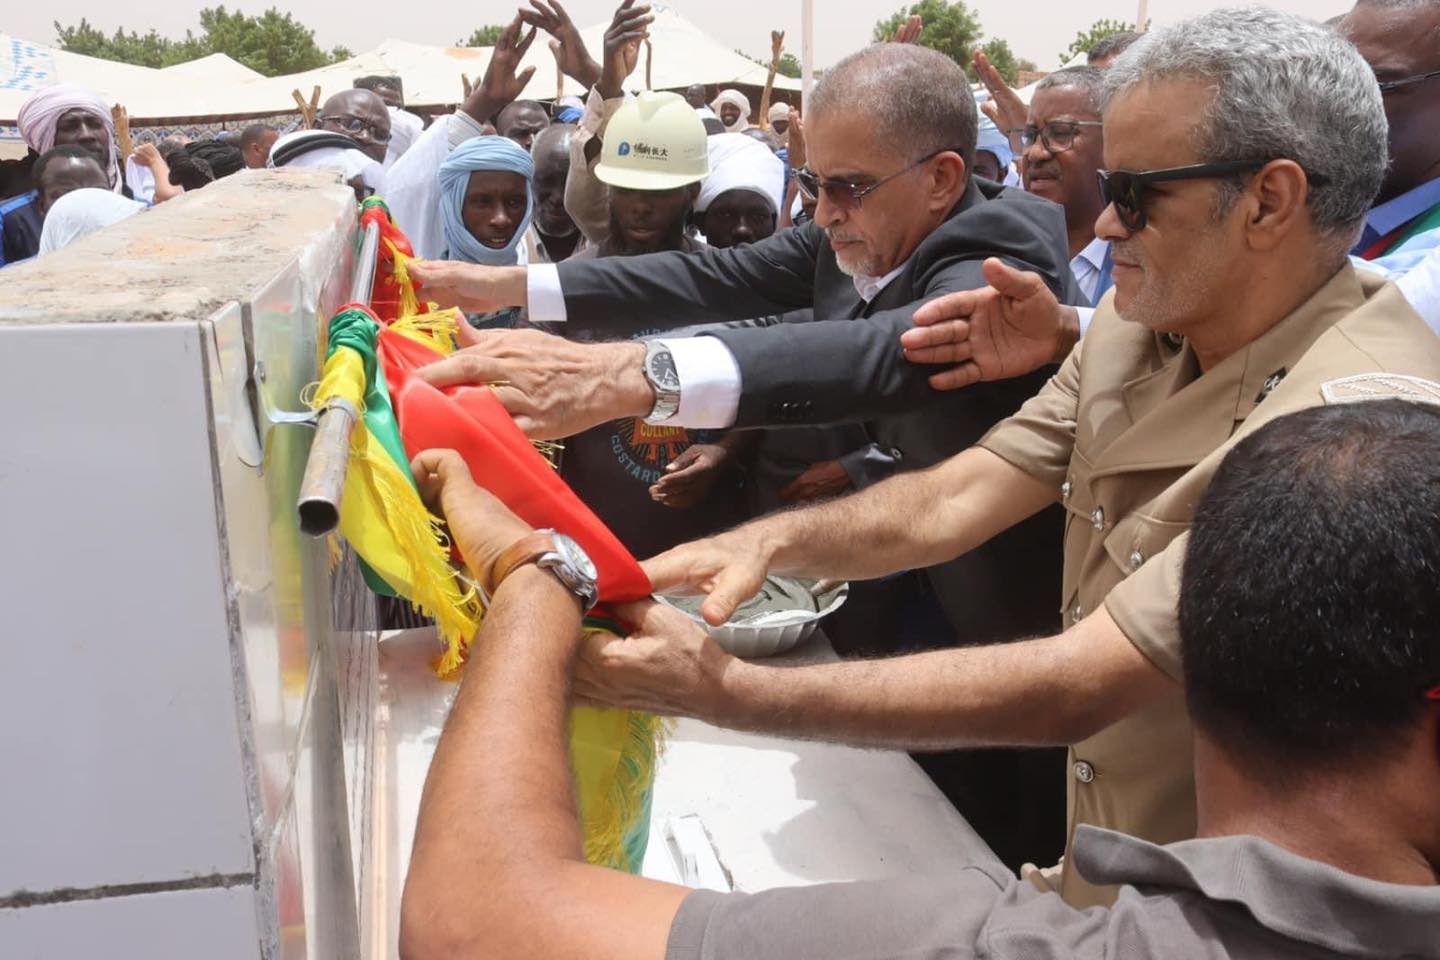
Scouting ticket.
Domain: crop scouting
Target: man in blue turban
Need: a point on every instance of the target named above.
(486, 205)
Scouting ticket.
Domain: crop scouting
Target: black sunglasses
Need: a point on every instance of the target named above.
(846, 195)
(1128, 190)
(1388, 86)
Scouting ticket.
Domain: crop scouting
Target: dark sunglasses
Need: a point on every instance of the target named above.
(1127, 190)
(845, 195)
(1389, 86)
(355, 126)
(1057, 136)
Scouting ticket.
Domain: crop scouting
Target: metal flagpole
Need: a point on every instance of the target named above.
(807, 52)
(1142, 14)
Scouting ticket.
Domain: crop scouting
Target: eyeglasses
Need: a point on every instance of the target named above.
(1057, 136)
(1388, 86)
(846, 195)
(355, 126)
(1128, 190)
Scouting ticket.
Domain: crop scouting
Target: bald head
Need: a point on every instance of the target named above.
(551, 151)
(521, 121)
(917, 100)
(362, 115)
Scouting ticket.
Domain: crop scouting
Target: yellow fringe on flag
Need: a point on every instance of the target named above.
(409, 548)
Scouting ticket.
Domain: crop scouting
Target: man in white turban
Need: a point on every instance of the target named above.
(734, 110)
(60, 114)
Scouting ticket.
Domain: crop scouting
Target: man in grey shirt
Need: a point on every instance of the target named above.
(1308, 614)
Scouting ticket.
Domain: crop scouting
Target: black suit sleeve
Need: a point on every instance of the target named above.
(836, 370)
(670, 290)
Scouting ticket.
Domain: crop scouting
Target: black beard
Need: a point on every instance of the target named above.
(671, 239)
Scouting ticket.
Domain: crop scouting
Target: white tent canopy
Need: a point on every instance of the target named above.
(217, 87)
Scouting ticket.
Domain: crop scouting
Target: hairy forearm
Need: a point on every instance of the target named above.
(1054, 690)
(914, 520)
(498, 807)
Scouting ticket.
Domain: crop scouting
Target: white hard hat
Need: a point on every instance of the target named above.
(654, 141)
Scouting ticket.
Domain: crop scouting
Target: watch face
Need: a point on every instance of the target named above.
(575, 556)
(662, 370)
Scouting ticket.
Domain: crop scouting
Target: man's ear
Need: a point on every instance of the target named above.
(949, 176)
(1275, 203)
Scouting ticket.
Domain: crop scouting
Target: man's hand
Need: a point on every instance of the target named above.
(481, 526)
(571, 55)
(470, 286)
(1004, 107)
(553, 387)
(795, 155)
(1013, 326)
(690, 477)
(729, 568)
(668, 665)
(910, 30)
(777, 47)
(501, 85)
(819, 482)
(629, 28)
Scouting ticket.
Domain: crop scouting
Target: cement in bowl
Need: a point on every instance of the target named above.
(779, 618)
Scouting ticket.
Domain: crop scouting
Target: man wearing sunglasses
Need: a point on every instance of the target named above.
(1401, 42)
(891, 134)
(1243, 149)
(362, 116)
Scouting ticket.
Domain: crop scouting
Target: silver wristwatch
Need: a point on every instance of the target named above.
(573, 567)
(664, 380)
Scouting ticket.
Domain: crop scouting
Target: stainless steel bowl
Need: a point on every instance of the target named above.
(779, 618)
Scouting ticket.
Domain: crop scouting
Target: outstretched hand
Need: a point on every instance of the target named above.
(910, 30)
(502, 85)
(729, 569)
(1004, 108)
(1007, 329)
(629, 28)
(553, 387)
(569, 49)
(481, 526)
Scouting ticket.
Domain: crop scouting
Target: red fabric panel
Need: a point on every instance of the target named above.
(471, 421)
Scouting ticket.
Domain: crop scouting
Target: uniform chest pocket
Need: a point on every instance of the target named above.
(1138, 537)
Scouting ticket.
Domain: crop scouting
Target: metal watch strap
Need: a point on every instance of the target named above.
(667, 398)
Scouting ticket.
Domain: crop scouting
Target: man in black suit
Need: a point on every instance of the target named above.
(891, 136)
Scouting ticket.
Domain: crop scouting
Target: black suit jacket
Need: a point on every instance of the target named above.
(847, 364)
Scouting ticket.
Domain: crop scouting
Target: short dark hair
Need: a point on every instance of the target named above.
(189, 171)
(1088, 80)
(1310, 605)
(255, 133)
(67, 151)
(918, 98)
(515, 106)
(1111, 46)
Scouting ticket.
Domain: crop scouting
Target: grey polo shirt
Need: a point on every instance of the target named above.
(1220, 898)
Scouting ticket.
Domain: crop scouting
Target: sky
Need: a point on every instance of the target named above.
(1037, 29)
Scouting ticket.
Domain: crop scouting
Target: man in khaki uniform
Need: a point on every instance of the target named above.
(1234, 304)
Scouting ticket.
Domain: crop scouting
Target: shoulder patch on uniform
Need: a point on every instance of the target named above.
(1380, 386)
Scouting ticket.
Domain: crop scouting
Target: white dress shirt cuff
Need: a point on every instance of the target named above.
(709, 383)
(545, 301)
(1083, 314)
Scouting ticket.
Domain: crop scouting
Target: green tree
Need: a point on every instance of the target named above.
(789, 65)
(271, 43)
(1003, 58)
(950, 28)
(486, 36)
(1098, 31)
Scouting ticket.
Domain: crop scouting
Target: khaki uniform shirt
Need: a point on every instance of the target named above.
(1129, 432)
(1228, 898)
(587, 200)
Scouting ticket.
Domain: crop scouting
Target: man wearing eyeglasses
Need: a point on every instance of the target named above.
(1243, 149)
(362, 116)
(1063, 139)
(1401, 42)
(891, 135)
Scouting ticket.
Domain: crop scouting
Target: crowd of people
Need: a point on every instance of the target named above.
(1117, 407)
